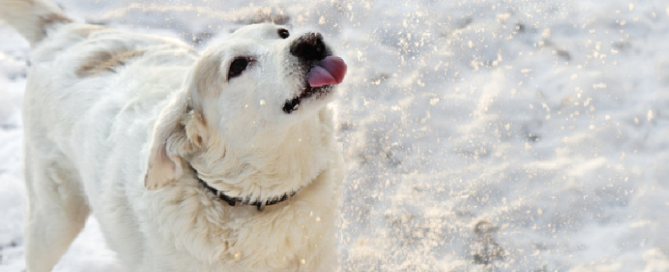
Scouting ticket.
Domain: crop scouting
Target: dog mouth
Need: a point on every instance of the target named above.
(320, 80)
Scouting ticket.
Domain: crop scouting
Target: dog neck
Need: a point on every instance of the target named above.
(274, 169)
(233, 201)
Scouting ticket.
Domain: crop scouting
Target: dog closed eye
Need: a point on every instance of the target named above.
(237, 67)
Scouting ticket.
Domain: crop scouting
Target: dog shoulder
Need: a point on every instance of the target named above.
(93, 50)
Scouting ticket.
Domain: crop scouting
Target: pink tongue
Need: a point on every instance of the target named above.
(330, 70)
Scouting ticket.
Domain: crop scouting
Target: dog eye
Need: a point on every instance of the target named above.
(237, 67)
(283, 33)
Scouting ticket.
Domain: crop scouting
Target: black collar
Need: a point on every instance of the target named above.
(232, 201)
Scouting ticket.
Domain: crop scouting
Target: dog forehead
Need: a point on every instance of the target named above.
(257, 32)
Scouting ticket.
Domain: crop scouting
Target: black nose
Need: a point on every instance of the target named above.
(309, 47)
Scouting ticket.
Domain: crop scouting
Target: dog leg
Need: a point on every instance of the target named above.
(56, 210)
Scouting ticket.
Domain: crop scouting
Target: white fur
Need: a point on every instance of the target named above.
(27, 17)
(92, 141)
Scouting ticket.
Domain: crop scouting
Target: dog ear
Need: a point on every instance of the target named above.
(177, 134)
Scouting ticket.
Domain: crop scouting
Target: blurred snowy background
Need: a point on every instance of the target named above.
(479, 135)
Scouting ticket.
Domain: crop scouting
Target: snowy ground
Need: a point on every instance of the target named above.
(547, 119)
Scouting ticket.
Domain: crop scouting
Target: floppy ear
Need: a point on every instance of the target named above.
(177, 133)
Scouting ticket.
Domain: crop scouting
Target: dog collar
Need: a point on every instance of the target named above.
(232, 201)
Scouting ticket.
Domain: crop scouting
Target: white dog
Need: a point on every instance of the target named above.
(220, 161)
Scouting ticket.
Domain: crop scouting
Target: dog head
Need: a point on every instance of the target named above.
(262, 77)
(242, 104)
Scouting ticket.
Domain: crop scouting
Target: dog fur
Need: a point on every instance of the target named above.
(129, 126)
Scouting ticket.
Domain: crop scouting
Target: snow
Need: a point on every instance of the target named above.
(545, 118)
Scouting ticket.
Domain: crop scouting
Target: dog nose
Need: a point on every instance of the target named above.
(309, 47)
